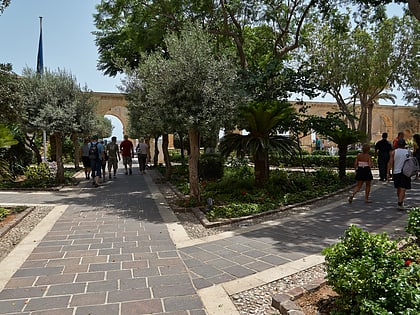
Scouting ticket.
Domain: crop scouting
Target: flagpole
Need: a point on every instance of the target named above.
(40, 70)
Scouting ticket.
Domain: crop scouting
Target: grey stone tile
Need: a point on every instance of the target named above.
(275, 260)
(151, 306)
(129, 295)
(136, 283)
(108, 309)
(27, 292)
(173, 290)
(102, 286)
(177, 303)
(55, 279)
(38, 271)
(105, 266)
(47, 303)
(68, 288)
(94, 298)
(12, 306)
(90, 276)
(206, 271)
(180, 279)
(239, 271)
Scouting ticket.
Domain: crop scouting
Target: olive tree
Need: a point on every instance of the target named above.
(190, 86)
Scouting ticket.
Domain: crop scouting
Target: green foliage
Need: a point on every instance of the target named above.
(413, 225)
(40, 175)
(235, 194)
(4, 212)
(210, 166)
(371, 275)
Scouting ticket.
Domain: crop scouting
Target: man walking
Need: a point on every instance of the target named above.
(96, 154)
(143, 155)
(396, 162)
(113, 156)
(127, 152)
(382, 151)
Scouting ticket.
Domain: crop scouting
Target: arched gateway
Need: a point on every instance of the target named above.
(386, 118)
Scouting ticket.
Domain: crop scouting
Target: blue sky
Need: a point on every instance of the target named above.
(68, 42)
(67, 39)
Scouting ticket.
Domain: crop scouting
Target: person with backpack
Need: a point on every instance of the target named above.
(96, 154)
(84, 152)
(396, 162)
(416, 150)
(113, 156)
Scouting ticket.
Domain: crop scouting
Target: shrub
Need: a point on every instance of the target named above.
(211, 166)
(371, 276)
(413, 225)
(40, 175)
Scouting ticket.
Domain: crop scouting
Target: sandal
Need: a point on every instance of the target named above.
(350, 199)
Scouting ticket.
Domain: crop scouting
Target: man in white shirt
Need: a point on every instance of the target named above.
(396, 162)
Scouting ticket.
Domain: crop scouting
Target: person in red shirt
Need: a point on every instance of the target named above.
(395, 142)
(127, 153)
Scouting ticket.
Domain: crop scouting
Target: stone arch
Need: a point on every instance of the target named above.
(113, 104)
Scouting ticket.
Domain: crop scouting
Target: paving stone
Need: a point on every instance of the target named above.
(38, 271)
(11, 306)
(206, 271)
(238, 271)
(177, 303)
(68, 288)
(21, 282)
(61, 311)
(27, 292)
(119, 274)
(173, 290)
(108, 309)
(105, 267)
(102, 286)
(55, 279)
(140, 307)
(90, 276)
(129, 295)
(47, 303)
(93, 298)
(136, 283)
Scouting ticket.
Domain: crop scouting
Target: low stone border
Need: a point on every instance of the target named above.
(284, 302)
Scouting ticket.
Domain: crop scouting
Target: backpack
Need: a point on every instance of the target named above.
(93, 151)
(410, 166)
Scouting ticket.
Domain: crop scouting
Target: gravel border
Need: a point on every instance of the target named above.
(17, 232)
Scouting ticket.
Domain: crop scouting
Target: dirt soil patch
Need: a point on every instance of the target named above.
(318, 302)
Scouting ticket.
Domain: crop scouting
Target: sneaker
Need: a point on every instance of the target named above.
(350, 199)
(400, 206)
(96, 185)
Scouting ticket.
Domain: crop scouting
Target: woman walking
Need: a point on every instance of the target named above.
(363, 166)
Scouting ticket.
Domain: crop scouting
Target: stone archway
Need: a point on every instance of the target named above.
(113, 104)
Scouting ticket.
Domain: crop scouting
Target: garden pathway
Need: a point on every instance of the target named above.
(118, 249)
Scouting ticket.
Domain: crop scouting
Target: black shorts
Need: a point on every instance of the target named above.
(364, 173)
(86, 161)
(401, 181)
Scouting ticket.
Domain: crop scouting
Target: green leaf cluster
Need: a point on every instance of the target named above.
(371, 275)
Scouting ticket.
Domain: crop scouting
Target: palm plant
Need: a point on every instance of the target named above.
(261, 120)
(335, 129)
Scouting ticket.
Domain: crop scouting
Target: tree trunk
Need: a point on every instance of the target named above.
(414, 6)
(194, 137)
(30, 142)
(76, 146)
(261, 168)
(156, 155)
(59, 157)
(369, 121)
(342, 160)
(166, 157)
(182, 147)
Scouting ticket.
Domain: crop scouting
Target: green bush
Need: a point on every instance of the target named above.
(413, 225)
(371, 275)
(40, 175)
(211, 166)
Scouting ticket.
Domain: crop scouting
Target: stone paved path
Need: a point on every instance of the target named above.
(109, 250)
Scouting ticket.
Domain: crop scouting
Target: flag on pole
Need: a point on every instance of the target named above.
(40, 59)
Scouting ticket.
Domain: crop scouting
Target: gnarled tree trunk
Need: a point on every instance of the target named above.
(194, 138)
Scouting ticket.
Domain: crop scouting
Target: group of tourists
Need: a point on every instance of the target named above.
(96, 156)
(391, 158)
